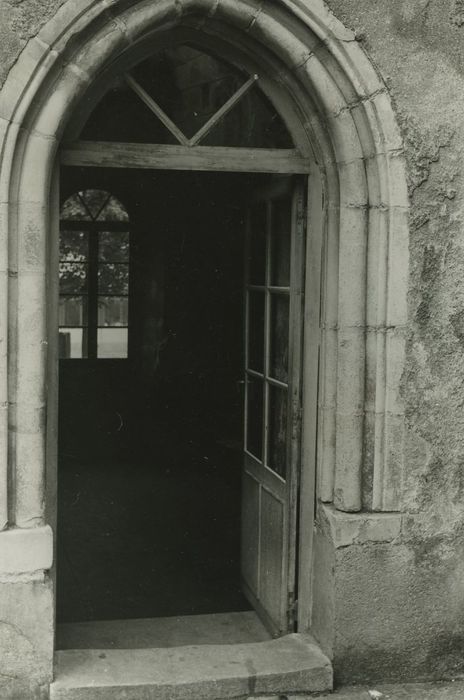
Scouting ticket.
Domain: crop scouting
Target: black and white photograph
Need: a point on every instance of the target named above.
(231, 349)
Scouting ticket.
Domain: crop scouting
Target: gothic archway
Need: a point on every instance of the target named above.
(326, 86)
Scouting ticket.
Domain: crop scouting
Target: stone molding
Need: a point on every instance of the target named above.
(26, 551)
(345, 529)
(352, 135)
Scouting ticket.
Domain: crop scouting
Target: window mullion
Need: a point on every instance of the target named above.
(93, 293)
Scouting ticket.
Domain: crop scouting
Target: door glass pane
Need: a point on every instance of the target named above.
(73, 246)
(72, 343)
(112, 311)
(112, 342)
(257, 249)
(279, 337)
(280, 242)
(254, 441)
(256, 331)
(113, 246)
(73, 277)
(277, 433)
(73, 311)
(113, 278)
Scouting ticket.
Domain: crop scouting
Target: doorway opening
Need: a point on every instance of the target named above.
(153, 499)
(180, 315)
(150, 446)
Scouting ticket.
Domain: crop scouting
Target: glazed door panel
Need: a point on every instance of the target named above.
(273, 338)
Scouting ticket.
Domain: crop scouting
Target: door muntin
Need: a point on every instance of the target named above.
(273, 336)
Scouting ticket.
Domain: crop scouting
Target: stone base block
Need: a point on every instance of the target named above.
(387, 606)
(26, 639)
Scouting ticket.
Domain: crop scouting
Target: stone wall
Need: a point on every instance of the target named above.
(399, 607)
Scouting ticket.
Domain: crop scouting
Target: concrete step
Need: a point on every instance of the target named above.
(291, 664)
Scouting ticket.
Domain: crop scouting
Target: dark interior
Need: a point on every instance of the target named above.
(150, 446)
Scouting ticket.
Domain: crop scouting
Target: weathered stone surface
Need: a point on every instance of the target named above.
(20, 21)
(407, 691)
(418, 47)
(24, 551)
(220, 628)
(26, 639)
(395, 625)
(290, 664)
(389, 611)
(345, 529)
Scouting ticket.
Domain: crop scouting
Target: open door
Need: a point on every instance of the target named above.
(273, 346)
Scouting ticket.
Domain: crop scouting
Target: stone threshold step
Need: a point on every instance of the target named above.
(150, 633)
(291, 664)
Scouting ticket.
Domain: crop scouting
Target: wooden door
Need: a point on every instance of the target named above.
(273, 346)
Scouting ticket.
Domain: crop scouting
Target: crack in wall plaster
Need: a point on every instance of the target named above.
(425, 11)
(257, 14)
(252, 675)
(362, 100)
(10, 625)
(30, 577)
(8, 676)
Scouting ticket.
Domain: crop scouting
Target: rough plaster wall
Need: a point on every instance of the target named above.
(418, 587)
(19, 21)
(400, 613)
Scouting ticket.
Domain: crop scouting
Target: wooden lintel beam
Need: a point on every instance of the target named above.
(106, 154)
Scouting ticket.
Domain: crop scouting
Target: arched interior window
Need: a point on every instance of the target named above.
(94, 276)
(185, 95)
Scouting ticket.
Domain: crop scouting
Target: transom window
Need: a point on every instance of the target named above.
(185, 96)
(94, 277)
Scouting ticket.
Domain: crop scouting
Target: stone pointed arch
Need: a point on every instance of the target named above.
(345, 114)
(342, 115)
